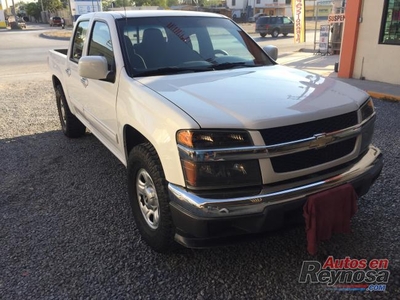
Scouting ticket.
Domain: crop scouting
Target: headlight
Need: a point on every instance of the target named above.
(221, 174)
(367, 109)
(199, 139)
(209, 173)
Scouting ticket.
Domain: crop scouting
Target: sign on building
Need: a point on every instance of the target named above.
(299, 8)
(80, 7)
(324, 39)
(335, 18)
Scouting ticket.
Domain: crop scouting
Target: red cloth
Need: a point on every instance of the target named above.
(329, 212)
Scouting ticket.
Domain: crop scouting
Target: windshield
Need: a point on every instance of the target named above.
(170, 45)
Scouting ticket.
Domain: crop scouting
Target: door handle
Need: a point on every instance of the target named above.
(68, 71)
(84, 81)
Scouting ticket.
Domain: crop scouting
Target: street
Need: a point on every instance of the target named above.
(66, 230)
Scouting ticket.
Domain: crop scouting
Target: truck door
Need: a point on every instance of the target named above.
(73, 80)
(288, 25)
(99, 96)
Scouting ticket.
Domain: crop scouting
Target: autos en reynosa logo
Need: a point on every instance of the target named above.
(347, 274)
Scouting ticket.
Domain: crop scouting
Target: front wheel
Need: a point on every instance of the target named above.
(148, 197)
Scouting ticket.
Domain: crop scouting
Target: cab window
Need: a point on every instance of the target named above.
(79, 40)
(100, 43)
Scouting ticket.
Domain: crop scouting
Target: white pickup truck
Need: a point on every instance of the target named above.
(219, 141)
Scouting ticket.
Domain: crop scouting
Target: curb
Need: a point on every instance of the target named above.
(384, 96)
(47, 36)
(306, 50)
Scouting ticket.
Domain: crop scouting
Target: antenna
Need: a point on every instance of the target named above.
(126, 19)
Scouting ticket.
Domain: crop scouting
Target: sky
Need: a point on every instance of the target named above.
(3, 2)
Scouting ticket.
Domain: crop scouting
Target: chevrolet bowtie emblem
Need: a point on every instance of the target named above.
(321, 140)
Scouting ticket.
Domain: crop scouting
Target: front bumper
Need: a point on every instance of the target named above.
(202, 222)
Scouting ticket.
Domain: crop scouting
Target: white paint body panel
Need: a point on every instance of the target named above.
(257, 98)
(243, 98)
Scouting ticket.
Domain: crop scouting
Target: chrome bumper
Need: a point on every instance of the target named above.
(363, 173)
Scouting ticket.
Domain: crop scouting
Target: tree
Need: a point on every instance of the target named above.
(33, 9)
(162, 3)
(52, 5)
(106, 4)
(123, 3)
(172, 2)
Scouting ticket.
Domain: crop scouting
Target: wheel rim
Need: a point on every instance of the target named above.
(63, 114)
(147, 199)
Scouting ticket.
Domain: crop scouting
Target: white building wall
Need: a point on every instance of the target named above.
(240, 4)
(374, 61)
(279, 7)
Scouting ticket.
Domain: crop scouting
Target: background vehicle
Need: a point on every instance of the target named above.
(21, 22)
(256, 17)
(55, 21)
(218, 139)
(274, 25)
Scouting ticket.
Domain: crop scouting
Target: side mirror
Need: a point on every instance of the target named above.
(272, 51)
(93, 67)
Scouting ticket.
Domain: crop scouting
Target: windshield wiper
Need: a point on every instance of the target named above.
(172, 70)
(178, 70)
(231, 65)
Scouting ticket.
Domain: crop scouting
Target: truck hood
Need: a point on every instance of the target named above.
(255, 98)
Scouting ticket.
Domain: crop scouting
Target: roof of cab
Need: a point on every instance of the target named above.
(154, 13)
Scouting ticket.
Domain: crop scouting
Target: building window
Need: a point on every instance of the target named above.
(390, 28)
(275, 1)
(258, 1)
(233, 2)
(288, 2)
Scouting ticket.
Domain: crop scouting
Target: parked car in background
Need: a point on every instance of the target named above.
(274, 25)
(55, 21)
(256, 17)
(21, 23)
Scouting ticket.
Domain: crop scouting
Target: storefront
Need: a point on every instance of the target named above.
(371, 41)
(390, 29)
(2, 18)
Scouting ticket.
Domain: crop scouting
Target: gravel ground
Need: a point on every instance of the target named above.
(65, 230)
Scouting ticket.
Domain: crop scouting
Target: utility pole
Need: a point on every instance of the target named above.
(13, 8)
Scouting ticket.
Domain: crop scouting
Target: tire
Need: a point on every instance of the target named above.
(263, 34)
(275, 33)
(148, 198)
(70, 125)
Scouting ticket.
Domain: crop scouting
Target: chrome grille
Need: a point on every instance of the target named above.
(313, 157)
(295, 132)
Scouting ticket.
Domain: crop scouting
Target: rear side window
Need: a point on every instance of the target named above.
(100, 44)
(263, 20)
(79, 39)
